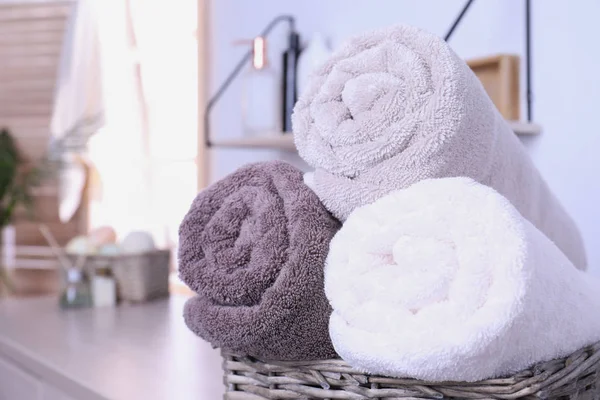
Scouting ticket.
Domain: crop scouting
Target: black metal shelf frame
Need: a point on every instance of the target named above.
(236, 71)
(529, 93)
(292, 26)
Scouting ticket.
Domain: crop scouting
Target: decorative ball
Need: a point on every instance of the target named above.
(138, 242)
(80, 245)
(102, 235)
(110, 249)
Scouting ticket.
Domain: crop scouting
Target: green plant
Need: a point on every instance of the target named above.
(17, 179)
(14, 188)
(16, 182)
(12, 192)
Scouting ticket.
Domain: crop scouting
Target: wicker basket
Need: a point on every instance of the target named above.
(574, 377)
(142, 277)
(139, 277)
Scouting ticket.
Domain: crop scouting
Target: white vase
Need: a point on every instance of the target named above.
(312, 56)
(7, 257)
(8, 246)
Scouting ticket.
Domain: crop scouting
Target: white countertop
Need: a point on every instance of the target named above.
(124, 353)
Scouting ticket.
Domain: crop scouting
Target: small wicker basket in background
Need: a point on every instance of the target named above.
(139, 277)
(142, 277)
(572, 378)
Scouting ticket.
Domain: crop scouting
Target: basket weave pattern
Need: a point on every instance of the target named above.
(140, 277)
(574, 377)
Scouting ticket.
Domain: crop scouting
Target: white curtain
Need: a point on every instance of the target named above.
(145, 153)
(78, 102)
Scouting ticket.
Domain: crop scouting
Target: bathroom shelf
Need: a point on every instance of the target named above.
(525, 128)
(30, 257)
(285, 141)
(277, 141)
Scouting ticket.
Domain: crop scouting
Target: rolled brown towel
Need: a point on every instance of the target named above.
(253, 246)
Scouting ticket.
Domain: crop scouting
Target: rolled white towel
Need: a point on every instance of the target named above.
(396, 106)
(446, 280)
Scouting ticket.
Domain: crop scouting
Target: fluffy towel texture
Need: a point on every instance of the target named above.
(446, 280)
(396, 106)
(253, 246)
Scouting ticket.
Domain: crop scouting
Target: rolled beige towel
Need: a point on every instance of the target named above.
(396, 106)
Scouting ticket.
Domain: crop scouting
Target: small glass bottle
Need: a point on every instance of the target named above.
(104, 288)
(261, 106)
(77, 291)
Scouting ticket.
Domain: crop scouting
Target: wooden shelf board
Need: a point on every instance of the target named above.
(35, 12)
(32, 38)
(33, 264)
(277, 141)
(36, 26)
(34, 251)
(18, 123)
(525, 128)
(285, 141)
(30, 257)
(48, 62)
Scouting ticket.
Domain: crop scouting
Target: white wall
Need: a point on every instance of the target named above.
(566, 57)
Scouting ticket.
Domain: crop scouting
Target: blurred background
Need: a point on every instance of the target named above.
(115, 113)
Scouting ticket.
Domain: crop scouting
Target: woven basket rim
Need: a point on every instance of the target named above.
(559, 377)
